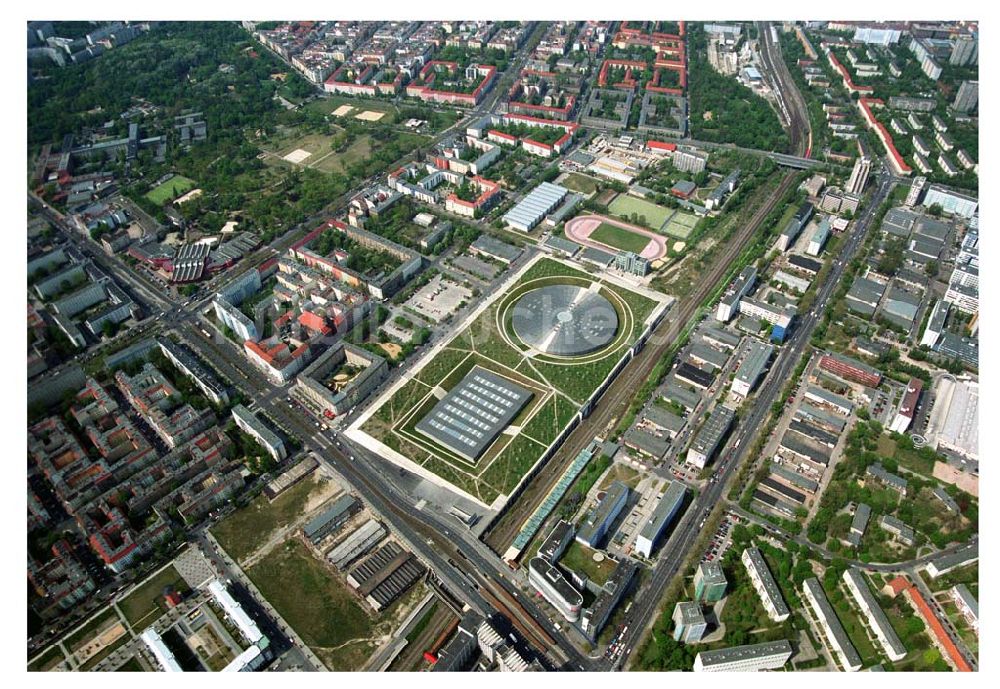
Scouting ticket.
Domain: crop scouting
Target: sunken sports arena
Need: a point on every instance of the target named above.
(484, 410)
(564, 320)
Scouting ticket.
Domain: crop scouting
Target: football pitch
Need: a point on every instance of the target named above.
(170, 190)
(559, 387)
(619, 238)
(650, 214)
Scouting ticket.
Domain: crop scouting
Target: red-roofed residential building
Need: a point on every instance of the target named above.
(500, 138)
(483, 128)
(865, 105)
(848, 82)
(162, 406)
(534, 82)
(939, 635)
(315, 323)
(670, 54)
(284, 319)
(425, 86)
(896, 586)
(73, 474)
(488, 196)
(116, 544)
(276, 359)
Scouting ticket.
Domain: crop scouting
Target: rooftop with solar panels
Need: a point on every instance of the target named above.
(474, 412)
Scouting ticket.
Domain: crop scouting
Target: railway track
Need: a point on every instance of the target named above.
(799, 132)
(519, 618)
(493, 593)
(635, 374)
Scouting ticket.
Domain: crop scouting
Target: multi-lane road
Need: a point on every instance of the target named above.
(470, 570)
(622, 390)
(459, 560)
(675, 553)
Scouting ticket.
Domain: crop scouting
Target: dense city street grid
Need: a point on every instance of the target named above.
(470, 345)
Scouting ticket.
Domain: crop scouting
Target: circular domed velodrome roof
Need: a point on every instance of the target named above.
(564, 320)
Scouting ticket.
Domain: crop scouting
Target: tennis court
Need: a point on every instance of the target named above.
(680, 224)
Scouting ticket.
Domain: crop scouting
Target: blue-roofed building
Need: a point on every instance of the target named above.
(599, 520)
(533, 208)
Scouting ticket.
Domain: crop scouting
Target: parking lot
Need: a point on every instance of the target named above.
(439, 299)
(721, 539)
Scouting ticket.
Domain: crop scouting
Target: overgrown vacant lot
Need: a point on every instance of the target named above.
(242, 532)
(48, 660)
(146, 603)
(320, 608)
(581, 183)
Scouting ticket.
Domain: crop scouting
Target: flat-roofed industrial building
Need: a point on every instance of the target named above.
(533, 208)
(595, 526)
(752, 367)
(357, 544)
(596, 617)
(330, 519)
(795, 444)
(838, 403)
(710, 436)
(474, 412)
(698, 377)
(550, 582)
(673, 391)
(668, 507)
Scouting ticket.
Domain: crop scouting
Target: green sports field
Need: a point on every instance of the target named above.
(581, 183)
(650, 214)
(170, 190)
(680, 225)
(619, 238)
(560, 386)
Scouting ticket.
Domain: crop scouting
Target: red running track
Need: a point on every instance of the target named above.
(581, 227)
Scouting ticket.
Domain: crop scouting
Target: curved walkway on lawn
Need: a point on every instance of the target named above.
(581, 227)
